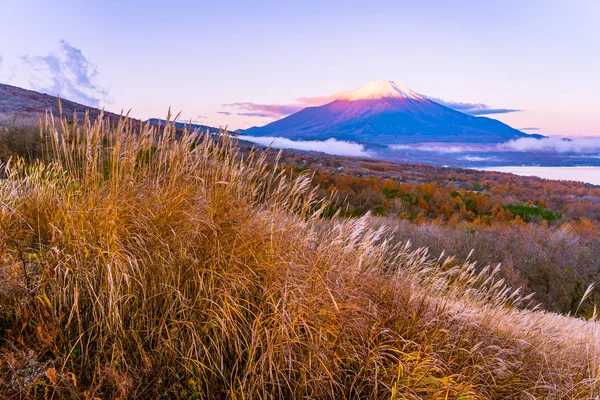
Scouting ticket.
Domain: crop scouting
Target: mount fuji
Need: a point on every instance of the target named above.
(384, 113)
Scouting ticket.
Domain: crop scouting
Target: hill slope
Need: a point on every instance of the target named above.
(181, 125)
(22, 101)
(384, 112)
(137, 266)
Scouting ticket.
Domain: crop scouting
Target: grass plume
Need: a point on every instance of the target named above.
(146, 263)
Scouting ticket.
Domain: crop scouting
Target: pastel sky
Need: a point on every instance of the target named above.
(215, 60)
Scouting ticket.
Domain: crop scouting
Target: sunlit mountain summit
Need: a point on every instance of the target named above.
(385, 112)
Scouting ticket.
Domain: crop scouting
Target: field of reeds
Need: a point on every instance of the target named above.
(143, 263)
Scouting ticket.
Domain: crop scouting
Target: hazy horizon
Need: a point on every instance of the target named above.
(580, 173)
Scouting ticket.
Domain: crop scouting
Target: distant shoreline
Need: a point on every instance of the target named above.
(587, 174)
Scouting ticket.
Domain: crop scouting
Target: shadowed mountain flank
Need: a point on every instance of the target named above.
(384, 112)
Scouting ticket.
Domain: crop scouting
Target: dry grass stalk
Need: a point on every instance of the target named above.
(144, 263)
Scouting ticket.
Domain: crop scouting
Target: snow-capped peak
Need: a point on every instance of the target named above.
(380, 89)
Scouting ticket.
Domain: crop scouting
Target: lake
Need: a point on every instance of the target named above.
(583, 174)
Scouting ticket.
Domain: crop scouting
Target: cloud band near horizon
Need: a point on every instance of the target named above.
(472, 108)
(551, 144)
(276, 111)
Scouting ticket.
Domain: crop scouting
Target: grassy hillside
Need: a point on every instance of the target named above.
(19, 101)
(140, 266)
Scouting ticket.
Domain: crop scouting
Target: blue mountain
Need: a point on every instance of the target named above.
(383, 113)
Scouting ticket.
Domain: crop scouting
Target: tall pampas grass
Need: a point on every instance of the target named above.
(138, 262)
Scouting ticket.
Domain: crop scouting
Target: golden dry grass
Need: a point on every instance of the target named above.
(138, 264)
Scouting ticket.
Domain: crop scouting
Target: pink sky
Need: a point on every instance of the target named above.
(538, 56)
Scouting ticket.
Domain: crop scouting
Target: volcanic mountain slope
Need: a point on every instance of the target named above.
(27, 102)
(181, 125)
(384, 112)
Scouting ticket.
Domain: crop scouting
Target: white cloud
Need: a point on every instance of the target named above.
(581, 145)
(442, 147)
(472, 108)
(329, 146)
(476, 158)
(66, 73)
(588, 145)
